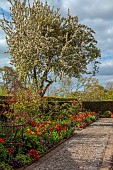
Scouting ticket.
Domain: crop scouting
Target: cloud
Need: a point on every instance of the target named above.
(4, 4)
(3, 46)
(106, 68)
(4, 60)
(90, 9)
(103, 79)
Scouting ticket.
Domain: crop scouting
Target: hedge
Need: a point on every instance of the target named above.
(87, 105)
(98, 105)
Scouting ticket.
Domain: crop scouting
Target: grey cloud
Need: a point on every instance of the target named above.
(90, 9)
(3, 45)
(106, 56)
(106, 68)
(103, 79)
(4, 60)
(98, 24)
(4, 4)
(106, 44)
(2, 34)
(104, 32)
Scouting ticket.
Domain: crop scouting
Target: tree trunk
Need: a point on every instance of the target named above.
(43, 91)
(35, 77)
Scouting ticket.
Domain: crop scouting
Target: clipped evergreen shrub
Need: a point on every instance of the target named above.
(97, 106)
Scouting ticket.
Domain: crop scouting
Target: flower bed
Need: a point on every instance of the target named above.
(32, 126)
(39, 136)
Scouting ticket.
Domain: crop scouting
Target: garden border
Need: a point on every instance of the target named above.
(107, 161)
(55, 146)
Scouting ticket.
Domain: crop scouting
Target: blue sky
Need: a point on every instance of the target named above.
(97, 14)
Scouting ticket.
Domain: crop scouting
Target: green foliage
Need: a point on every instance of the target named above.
(33, 141)
(106, 114)
(109, 95)
(9, 78)
(4, 166)
(3, 91)
(63, 108)
(23, 105)
(48, 122)
(41, 134)
(59, 99)
(25, 158)
(92, 90)
(3, 153)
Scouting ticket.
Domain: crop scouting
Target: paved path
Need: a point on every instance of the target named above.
(90, 149)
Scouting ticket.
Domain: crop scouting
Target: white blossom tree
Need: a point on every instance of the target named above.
(44, 45)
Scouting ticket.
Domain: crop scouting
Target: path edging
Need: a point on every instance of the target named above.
(106, 163)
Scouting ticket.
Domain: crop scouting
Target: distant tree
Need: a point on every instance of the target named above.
(109, 91)
(109, 95)
(72, 87)
(44, 45)
(9, 78)
(65, 87)
(93, 90)
(109, 85)
(68, 87)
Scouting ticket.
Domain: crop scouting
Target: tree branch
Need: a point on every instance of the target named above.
(42, 93)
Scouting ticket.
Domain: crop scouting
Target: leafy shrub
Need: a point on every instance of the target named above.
(34, 154)
(25, 158)
(3, 153)
(4, 166)
(107, 114)
(16, 163)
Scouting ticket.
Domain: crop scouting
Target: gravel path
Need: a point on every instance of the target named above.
(90, 149)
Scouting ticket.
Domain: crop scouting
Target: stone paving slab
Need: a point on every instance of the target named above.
(89, 149)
